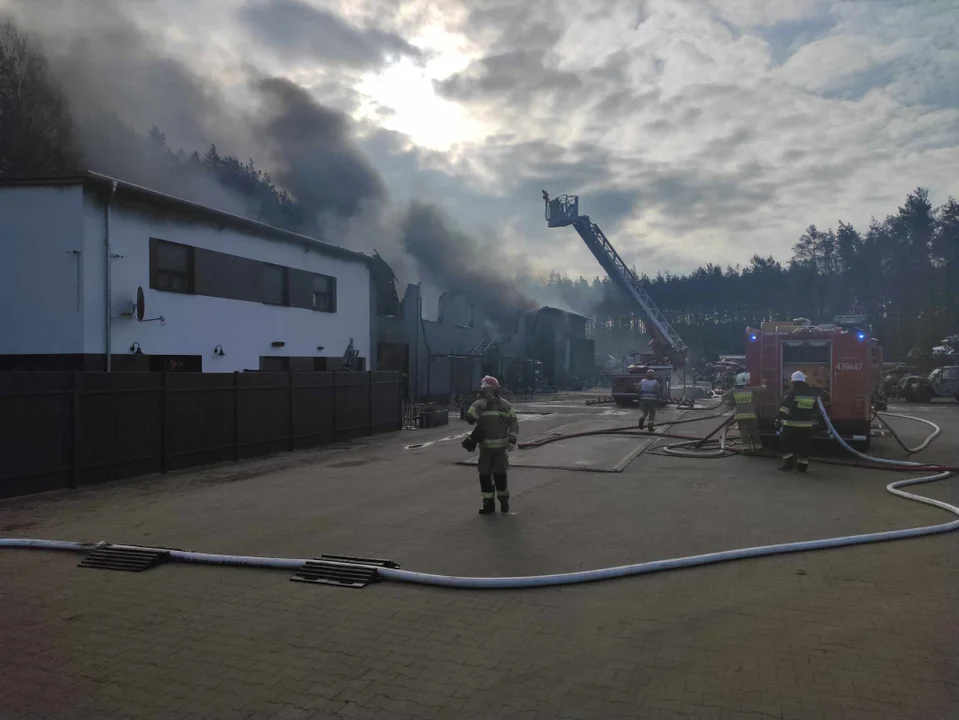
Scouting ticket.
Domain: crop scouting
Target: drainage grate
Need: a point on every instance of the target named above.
(124, 557)
(341, 570)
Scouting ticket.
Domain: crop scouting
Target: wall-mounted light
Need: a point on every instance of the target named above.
(218, 350)
(319, 347)
(135, 349)
(277, 343)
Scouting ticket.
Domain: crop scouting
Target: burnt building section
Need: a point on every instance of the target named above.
(446, 358)
(558, 340)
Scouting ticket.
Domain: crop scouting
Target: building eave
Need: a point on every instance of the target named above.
(172, 202)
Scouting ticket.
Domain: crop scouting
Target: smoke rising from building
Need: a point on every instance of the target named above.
(118, 74)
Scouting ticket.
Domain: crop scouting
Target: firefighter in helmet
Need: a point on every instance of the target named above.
(743, 398)
(799, 416)
(495, 433)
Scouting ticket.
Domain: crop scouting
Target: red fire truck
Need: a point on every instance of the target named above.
(841, 358)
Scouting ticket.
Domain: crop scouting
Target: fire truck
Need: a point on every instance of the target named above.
(625, 385)
(841, 358)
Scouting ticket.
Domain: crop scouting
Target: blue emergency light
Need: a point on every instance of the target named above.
(861, 336)
(753, 338)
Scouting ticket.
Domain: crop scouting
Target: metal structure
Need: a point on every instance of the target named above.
(125, 558)
(341, 570)
(563, 211)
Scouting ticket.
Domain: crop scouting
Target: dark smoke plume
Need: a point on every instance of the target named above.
(118, 75)
(456, 261)
(313, 153)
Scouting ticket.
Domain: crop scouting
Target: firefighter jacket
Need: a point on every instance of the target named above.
(496, 420)
(744, 400)
(649, 389)
(799, 407)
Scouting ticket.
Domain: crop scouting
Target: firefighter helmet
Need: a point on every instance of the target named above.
(489, 383)
(742, 379)
(650, 373)
(798, 376)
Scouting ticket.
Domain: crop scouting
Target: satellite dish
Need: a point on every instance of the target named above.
(141, 304)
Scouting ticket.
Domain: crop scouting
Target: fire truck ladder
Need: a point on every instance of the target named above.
(564, 210)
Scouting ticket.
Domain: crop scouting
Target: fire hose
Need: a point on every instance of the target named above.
(644, 568)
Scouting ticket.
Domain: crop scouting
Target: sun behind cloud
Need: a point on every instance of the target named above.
(401, 97)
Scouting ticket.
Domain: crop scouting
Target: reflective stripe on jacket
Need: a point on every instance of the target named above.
(800, 408)
(498, 422)
(743, 398)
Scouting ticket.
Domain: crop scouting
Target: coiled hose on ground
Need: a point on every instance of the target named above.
(531, 581)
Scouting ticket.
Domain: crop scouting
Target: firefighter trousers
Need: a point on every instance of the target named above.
(749, 432)
(796, 443)
(493, 464)
(648, 408)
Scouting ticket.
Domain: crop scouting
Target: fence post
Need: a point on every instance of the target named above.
(75, 412)
(369, 418)
(164, 423)
(236, 414)
(333, 409)
(289, 380)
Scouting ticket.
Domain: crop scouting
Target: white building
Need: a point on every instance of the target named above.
(234, 294)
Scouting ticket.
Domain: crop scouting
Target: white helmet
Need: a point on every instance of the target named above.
(798, 376)
(742, 379)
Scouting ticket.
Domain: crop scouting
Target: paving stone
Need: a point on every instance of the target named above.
(857, 632)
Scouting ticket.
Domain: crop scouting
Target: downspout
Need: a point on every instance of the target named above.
(107, 283)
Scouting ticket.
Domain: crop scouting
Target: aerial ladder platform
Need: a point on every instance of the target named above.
(563, 211)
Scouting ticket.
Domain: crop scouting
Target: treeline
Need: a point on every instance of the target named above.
(902, 273)
(39, 136)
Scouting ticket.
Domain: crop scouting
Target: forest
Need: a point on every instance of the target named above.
(902, 271)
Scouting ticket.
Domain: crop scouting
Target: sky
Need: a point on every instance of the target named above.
(694, 131)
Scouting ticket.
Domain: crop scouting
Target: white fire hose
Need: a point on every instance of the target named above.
(530, 581)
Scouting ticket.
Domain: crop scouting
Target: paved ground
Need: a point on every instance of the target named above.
(868, 632)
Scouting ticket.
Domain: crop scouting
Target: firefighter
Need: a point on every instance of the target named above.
(743, 398)
(648, 399)
(799, 416)
(496, 432)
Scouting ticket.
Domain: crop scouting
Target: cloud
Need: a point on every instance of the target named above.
(300, 32)
(515, 73)
(694, 131)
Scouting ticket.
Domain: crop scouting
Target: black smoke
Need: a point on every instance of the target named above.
(119, 73)
(313, 153)
(462, 264)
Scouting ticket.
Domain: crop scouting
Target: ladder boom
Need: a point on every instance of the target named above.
(563, 211)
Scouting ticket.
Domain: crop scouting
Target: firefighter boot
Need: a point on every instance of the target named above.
(489, 495)
(502, 491)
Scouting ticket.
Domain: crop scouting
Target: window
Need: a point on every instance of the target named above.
(171, 266)
(324, 293)
(274, 285)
